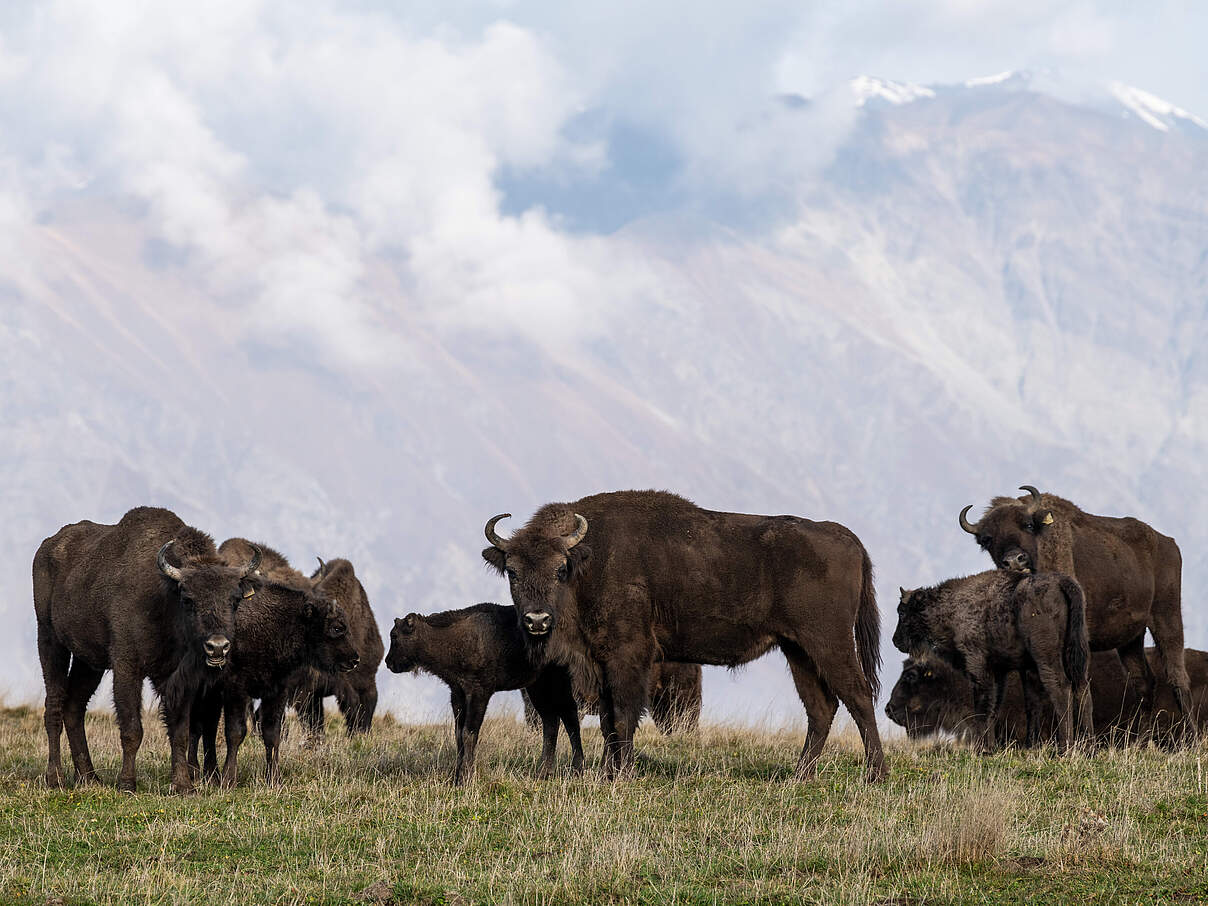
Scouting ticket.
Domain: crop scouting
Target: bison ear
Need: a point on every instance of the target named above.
(578, 557)
(495, 559)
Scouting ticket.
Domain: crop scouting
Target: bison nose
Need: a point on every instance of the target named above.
(1018, 561)
(538, 623)
(217, 648)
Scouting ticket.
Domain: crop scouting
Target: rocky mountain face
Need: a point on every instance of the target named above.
(987, 286)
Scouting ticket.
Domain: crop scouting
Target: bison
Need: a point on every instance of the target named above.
(996, 622)
(675, 699)
(282, 628)
(146, 598)
(478, 651)
(932, 697)
(356, 690)
(1131, 574)
(611, 583)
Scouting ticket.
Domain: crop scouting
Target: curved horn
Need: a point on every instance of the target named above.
(577, 535)
(1031, 490)
(965, 524)
(490, 531)
(255, 562)
(165, 567)
(322, 565)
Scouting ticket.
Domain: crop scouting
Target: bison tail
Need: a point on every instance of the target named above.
(1077, 645)
(868, 628)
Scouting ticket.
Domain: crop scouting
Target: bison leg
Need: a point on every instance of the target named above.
(457, 701)
(838, 668)
(357, 705)
(625, 692)
(179, 723)
(1140, 678)
(81, 684)
(568, 711)
(309, 706)
(1060, 694)
(1167, 630)
(987, 693)
(56, 659)
(475, 710)
(128, 705)
(820, 706)
(272, 715)
(234, 712)
(543, 694)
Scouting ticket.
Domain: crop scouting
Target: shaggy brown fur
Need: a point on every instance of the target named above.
(102, 603)
(355, 691)
(478, 651)
(1131, 574)
(932, 697)
(655, 576)
(675, 699)
(996, 622)
(280, 629)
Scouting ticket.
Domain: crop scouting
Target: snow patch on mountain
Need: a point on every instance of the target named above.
(1151, 109)
(990, 79)
(865, 88)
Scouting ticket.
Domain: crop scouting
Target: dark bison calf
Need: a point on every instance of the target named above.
(675, 699)
(478, 651)
(280, 629)
(147, 598)
(356, 690)
(932, 697)
(996, 622)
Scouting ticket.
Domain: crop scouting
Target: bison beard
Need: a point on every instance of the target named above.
(1131, 574)
(148, 598)
(612, 582)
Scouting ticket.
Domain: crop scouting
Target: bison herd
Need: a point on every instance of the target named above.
(617, 599)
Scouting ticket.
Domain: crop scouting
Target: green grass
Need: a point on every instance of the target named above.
(713, 818)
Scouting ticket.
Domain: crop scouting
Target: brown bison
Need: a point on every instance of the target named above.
(478, 651)
(281, 628)
(675, 699)
(997, 622)
(610, 584)
(1131, 574)
(146, 598)
(932, 697)
(356, 690)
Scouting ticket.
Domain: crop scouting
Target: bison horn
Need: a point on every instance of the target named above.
(322, 565)
(164, 566)
(255, 562)
(965, 524)
(1031, 490)
(577, 535)
(490, 531)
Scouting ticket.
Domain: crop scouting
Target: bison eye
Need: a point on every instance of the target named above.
(1029, 528)
(562, 573)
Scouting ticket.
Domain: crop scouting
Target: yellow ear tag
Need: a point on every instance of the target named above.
(1047, 520)
(249, 593)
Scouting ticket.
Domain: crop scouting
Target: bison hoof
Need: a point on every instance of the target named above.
(54, 780)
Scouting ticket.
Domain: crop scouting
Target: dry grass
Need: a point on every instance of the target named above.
(714, 818)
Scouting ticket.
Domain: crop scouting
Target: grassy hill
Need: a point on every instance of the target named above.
(713, 818)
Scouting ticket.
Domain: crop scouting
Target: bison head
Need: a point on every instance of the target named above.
(209, 591)
(924, 696)
(330, 644)
(1009, 528)
(541, 564)
(912, 633)
(406, 641)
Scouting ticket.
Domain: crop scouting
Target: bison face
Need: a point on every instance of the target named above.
(541, 571)
(333, 648)
(911, 634)
(209, 593)
(919, 699)
(403, 655)
(1008, 530)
